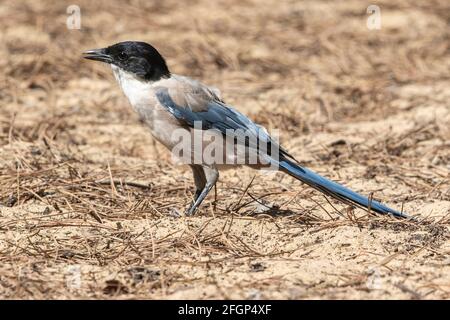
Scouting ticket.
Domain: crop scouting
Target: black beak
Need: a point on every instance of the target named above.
(98, 55)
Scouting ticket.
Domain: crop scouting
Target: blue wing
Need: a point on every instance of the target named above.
(214, 114)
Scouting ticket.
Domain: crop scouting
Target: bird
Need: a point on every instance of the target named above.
(177, 108)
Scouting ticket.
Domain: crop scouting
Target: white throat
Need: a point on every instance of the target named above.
(136, 90)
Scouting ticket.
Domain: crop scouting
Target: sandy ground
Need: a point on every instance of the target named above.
(87, 200)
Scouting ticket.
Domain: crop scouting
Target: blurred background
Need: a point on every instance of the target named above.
(359, 91)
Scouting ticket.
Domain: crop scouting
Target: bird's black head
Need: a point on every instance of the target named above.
(135, 57)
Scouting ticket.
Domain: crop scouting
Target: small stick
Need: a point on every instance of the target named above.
(245, 191)
(113, 187)
(127, 183)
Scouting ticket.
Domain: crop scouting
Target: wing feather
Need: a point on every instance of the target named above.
(198, 104)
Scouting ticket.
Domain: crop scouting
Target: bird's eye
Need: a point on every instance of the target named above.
(123, 55)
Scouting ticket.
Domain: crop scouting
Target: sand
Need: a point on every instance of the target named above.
(88, 201)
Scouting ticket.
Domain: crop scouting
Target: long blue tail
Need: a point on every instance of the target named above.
(334, 189)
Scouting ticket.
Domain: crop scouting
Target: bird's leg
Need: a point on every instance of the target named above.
(199, 179)
(197, 194)
(211, 176)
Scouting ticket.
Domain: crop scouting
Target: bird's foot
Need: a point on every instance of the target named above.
(190, 211)
(193, 207)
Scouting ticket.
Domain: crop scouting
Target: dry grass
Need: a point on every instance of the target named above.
(85, 192)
